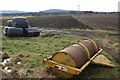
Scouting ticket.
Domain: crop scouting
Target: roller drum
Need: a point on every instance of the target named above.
(78, 52)
(13, 32)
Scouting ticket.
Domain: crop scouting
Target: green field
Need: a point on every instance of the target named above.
(35, 49)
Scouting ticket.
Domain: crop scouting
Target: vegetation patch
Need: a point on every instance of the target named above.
(31, 51)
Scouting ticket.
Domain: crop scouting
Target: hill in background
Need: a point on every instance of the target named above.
(12, 11)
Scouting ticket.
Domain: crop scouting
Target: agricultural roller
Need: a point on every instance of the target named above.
(18, 27)
(75, 57)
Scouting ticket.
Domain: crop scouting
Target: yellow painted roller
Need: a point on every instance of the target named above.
(75, 56)
(74, 59)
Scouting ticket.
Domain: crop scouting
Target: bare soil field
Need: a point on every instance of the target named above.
(94, 21)
(99, 21)
(58, 21)
(62, 21)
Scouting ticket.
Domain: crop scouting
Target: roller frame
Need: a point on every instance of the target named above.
(66, 68)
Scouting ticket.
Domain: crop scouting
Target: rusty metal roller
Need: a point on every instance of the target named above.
(77, 54)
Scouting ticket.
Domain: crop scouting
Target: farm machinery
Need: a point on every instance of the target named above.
(75, 57)
(18, 27)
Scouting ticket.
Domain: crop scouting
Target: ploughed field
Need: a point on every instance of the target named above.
(54, 21)
(99, 21)
(94, 21)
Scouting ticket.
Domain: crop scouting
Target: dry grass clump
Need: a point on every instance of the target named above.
(45, 72)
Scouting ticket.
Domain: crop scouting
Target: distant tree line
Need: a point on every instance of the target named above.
(56, 13)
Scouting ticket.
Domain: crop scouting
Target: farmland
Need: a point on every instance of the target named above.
(95, 21)
(52, 21)
(100, 21)
(100, 27)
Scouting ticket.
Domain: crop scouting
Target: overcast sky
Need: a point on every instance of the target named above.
(40, 5)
